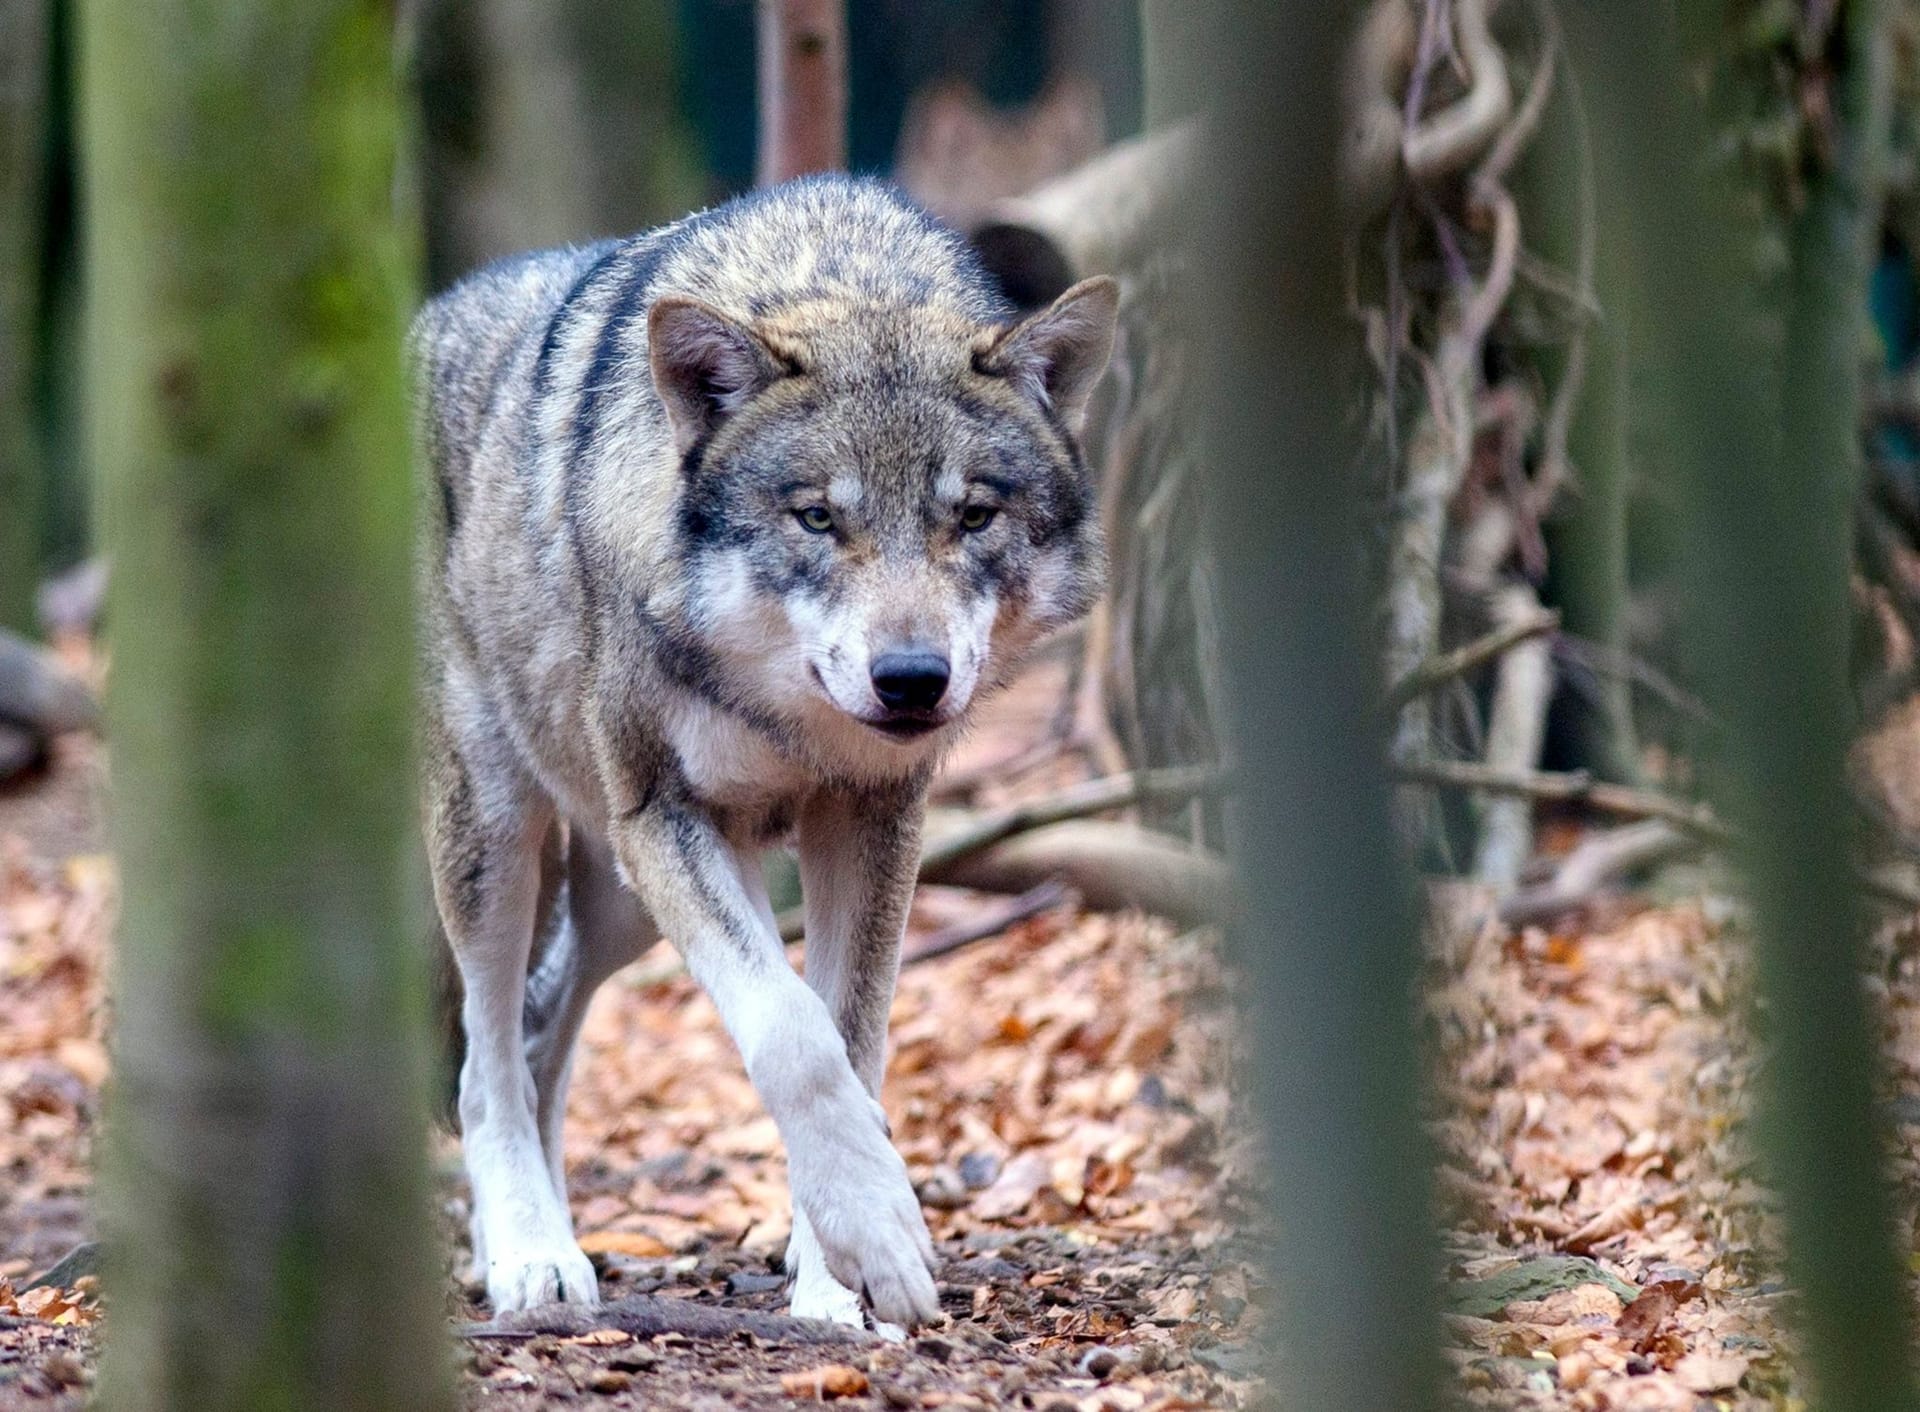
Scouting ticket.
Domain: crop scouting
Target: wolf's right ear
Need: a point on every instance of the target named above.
(1058, 354)
(705, 364)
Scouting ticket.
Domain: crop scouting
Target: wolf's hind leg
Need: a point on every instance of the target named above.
(486, 826)
(604, 928)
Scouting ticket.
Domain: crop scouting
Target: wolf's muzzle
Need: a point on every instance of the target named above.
(910, 683)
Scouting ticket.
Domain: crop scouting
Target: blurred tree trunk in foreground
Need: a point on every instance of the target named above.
(1326, 931)
(264, 1194)
(26, 38)
(803, 88)
(1760, 443)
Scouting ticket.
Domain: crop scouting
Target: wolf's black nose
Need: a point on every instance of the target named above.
(910, 681)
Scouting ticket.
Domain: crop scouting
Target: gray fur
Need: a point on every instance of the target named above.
(691, 487)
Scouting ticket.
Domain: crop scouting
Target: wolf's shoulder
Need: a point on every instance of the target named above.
(491, 305)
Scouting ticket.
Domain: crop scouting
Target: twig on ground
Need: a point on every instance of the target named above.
(1076, 802)
(1113, 866)
(1571, 786)
(964, 784)
(1598, 860)
(991, 921)
(976, 833)
(647, 1315)
(1578, 787)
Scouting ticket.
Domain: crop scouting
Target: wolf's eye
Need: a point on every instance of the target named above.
(974, 518)
(815, 518)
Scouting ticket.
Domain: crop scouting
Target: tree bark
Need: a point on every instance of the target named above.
(26, 61)
(803, 88)
(1762, 459)
(1325, 933)
(264, 1203)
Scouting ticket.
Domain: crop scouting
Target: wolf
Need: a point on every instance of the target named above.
(734, 524)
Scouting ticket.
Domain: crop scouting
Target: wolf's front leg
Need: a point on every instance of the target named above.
(847, 1180)
(859, 857)
(484, 847)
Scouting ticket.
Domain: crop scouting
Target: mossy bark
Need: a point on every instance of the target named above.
(26, 38)
(1758, 441)
(264, 1195)
(1325, 932)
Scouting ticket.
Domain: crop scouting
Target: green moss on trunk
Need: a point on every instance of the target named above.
(265, 1190)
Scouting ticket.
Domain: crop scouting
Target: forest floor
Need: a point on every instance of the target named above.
(1060, 1094)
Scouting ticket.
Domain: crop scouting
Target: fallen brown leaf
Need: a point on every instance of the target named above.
(823, 1384)
(1711, 1371)
(637, 1244)
(1641, 1320)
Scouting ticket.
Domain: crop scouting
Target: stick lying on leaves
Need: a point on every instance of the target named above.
(1093, 859)
(645, 1315)
(1578, 787)
(1571, 786)
(1593, 863)
(991, 921)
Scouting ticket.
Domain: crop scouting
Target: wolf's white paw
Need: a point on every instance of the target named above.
(854, 1190)
(554, 1275)
(823, 1297)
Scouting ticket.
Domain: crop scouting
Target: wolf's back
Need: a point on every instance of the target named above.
(465, 339)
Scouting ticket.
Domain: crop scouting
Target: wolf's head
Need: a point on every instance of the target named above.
(884, 505)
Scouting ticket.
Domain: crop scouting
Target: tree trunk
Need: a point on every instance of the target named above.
(803, 88)
(264, 1195)
(507, 152)
(1763, 462)
(1326, 935)
(26, 62)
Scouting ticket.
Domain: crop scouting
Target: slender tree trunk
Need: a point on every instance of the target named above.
(1587, 536)
(26, 38)
(264, 1194)
(803, 88)
(1326, 931)
(1589, 553)
(1763, 460)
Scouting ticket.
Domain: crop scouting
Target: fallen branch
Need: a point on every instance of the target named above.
(991, 921)
(1577, 787)
(1571, 786)
(69, 1269)
(1598, 860)
(648, 1315)
(1438, 670)
(1112, 866)
(1100, 218)
(976, 832)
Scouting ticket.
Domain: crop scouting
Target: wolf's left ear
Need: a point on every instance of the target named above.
(1059, 353)
(706, 365)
